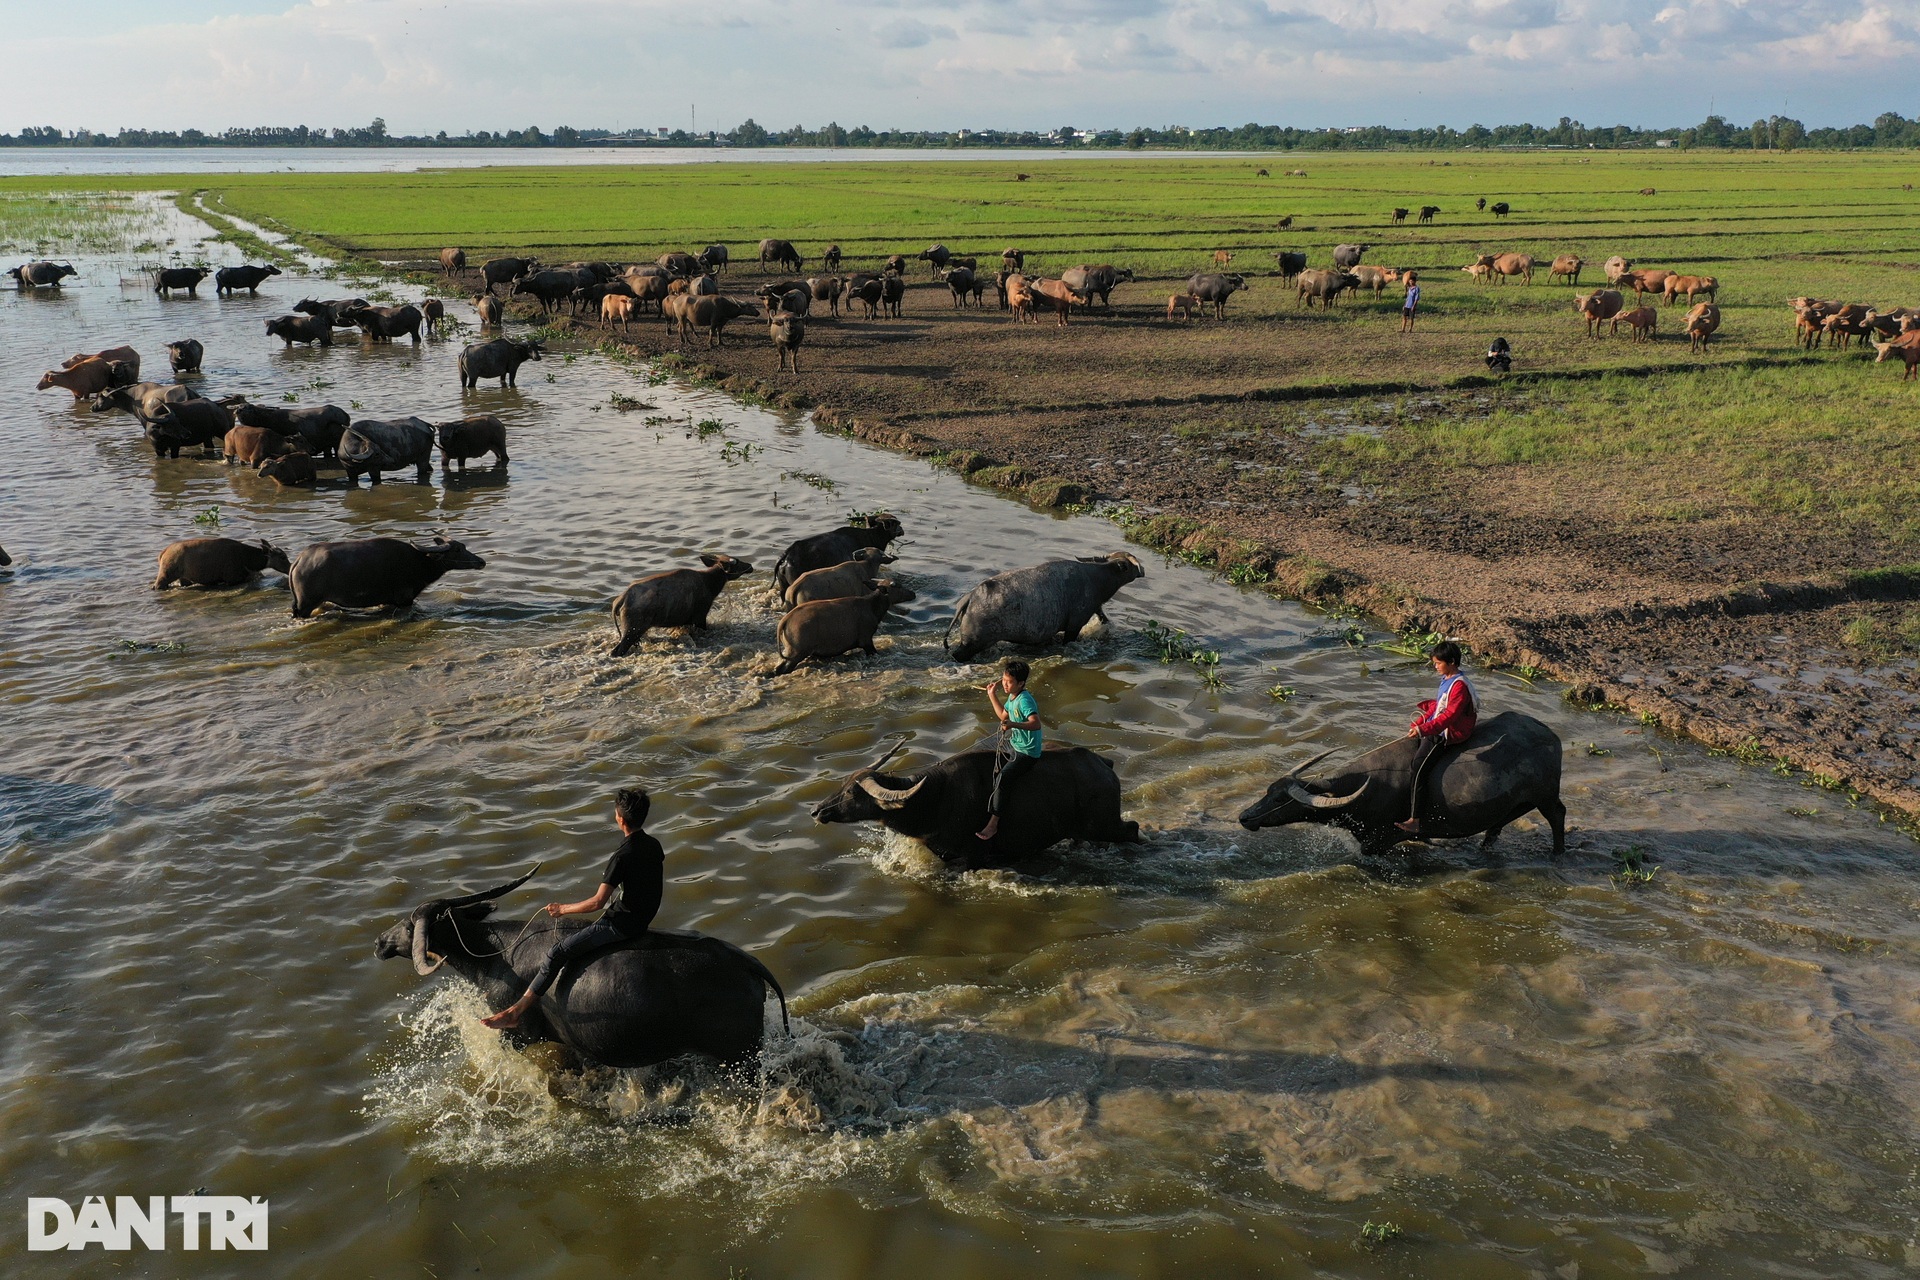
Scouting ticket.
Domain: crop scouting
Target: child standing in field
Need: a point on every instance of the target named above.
(1413, 300)
(1019, 717)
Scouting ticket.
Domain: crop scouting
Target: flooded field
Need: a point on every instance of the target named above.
(1215, 1053)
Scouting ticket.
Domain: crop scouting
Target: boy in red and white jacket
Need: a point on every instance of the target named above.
(1445, 721)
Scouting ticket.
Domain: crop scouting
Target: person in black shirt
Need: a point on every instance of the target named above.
(632, 884)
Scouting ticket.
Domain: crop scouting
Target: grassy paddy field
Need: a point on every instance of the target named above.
(1592, 515)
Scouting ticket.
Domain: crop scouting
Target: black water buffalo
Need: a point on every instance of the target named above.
(172, 427)
(1500, 209)
(1347, 256)
(185, 355)
(830, 257)
(378, 573)
(1509, 768)
(827, 289)
(169, 278)
(677, 598)
(867, 291)
(1290, 264)
(473, 437)
(547, 287)
(5, 559)
(1427, 211)
(497, 358)
(372, 446)
(318, 427)
(1071, 794)
(314, 329)
(680, 264)
(1037, 604)
(333, 311)
(384, 324)
(505, 270)
(229, 279)
(937, 254)
(1213, 289)
(835, 546)
(670, 993)
(893, 291)
(1092, 282)
(794, 296)
(290, 471)
(142, 399)
(961, 281)
(782, 253)
(217, 562)
(41, 275)
(713, 257)
(787, 332)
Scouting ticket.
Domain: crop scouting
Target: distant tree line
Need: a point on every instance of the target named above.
(1775, 133)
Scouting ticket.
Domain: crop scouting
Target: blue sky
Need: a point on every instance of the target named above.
(424, 65)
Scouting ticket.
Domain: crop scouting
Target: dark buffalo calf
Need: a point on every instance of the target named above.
(378, 573)
(185, 355)
(217, 562)
(472, 438)
(291, 471)
(677, 598)
(253, 445)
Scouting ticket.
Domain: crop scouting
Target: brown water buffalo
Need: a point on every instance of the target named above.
(174, 426)
(1013, 259)
(1182, 306)
(1616, 268)
(829, 628)
(618, 309)
(41, 275)
(851, 577)
(291, 471)
(1322, 284)
(1347, 256)
(168, 279)
(487, 310)
(118, 355)
(1213, 289)
(1702, 322)
(316, 427)
(217, 562)
(1642, 323)
(680, 264)
(496, 358)
(893, 293)
(1598, 307)
(1692, 286)
(836, 546)
(253, 446)
(1566, 267)
(453, 262)
(652, 290)
(185, 355)
(677, 598)
(1057, 295)
(1649, 191)
(1373, 279)
(1290, 264)
(714, 258)
(1647, 280)
(312, 330)
(372, 446)
(830, 257)
(937, 254)
(781, 253)
(787, 332)
(1905, 348)
(961, 282)
(377, 573)
(505, 270)
(434, 312)
(1092, 282)
(233, 279)
(1019, 295)
(87, 379)
(1513, 264)
(473, 437)
(827, 289)
(712, 313)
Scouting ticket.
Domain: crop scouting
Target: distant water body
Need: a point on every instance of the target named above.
(54, 161)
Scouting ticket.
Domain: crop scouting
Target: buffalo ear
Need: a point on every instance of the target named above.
(710, 560)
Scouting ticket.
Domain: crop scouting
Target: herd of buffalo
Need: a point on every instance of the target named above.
(678, 993)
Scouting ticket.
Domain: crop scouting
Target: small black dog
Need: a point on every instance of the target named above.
(1499, 357)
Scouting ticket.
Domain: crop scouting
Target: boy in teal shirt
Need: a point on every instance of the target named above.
(1019, 715)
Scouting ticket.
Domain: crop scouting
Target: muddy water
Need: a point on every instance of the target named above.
(1221, 1049)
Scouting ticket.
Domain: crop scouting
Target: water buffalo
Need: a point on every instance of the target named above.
(373, 445)
(504, 270)
(1507, 769)
(1347, 256)
(291, 471)
(1481, 204)
(332, 311)
(41, 275)
(318, 427)
(377, 573)
(829, 628)
(867, 292)
(1513, 264)
(5, 559)
(713, 258)
(961, 282)
(1599, 306)
(1034, 605)
(827, 289)
(677, 598)
(1692, 286)
(1071, 794)
(669, 994)
(232, 279)
(142, 399)
(253, 445)
(1501, 209)
(937, 254)
(87, 378)
(472, 438)
(125, 355)
(893, 291)
(1617, 268)
(830, 257)
(384, 324)
(486, 309)
(1012, 259)
(1290, 264)
(712, 313)
(497, 358)
(782, 253)
(787, 332)
(896, 263)
(1213, 289)
(1567, 267)
(680, 263)
(172, 427)
(853, 576)
(792, 296)
(217, 562)
(1427, 211)
(1704, 320)
(546, 287)
(1092, 282)
(453, 262)
(835, 546)
(312, 329)
(1040, 291)
(168, 279)
(185, 355)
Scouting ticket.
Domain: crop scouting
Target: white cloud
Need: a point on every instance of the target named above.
(495, 65)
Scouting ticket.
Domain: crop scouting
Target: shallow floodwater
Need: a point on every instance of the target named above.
(1217, 1053)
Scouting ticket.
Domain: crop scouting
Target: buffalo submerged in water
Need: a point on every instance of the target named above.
(1509, 768)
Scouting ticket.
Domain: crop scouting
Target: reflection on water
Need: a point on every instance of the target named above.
(1234, 1047)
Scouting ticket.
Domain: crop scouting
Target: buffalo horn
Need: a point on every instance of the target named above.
(892, 751)
(471, 898)
(420, 952)
(1306, 797)
(1300, 769)
(887, 797)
